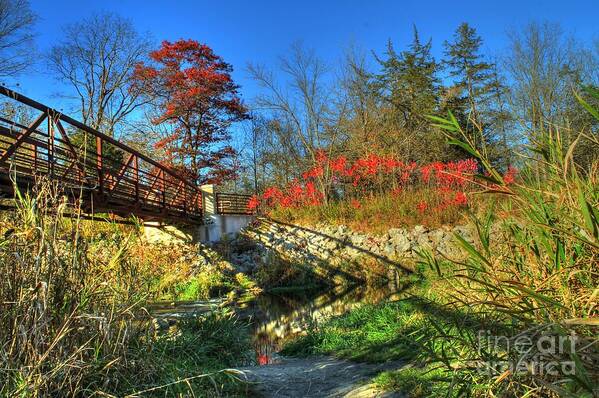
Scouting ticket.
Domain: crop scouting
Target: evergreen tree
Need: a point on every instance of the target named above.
(475, 91)
(411, 85)
(411, 79)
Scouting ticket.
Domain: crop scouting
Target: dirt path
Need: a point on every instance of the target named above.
(317, 377)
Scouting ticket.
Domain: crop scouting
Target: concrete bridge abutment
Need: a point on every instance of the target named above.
(215, 227)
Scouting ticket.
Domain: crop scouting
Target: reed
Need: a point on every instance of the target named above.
(72, 316)
(535, 268)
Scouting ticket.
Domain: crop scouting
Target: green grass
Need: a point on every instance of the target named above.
(201, 286)
(373, 333)
(408, 330)
(419, 382)
(201, 346)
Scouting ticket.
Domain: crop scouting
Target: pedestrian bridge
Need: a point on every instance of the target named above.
(97, 171)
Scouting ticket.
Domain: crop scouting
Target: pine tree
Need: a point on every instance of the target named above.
(411, 83)
(411, 77)
(475, 90)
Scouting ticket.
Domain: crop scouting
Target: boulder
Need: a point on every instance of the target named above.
(331, 244)
(397, 232)
(402, 243)
(389, 249)
(358, 240)
(437, 236)
(465, 232)
(419, 230)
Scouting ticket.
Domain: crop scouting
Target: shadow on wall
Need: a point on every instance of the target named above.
(218, 227)
(335, 257)
(346, 244)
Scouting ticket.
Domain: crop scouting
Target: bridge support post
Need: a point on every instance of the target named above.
(215, 227)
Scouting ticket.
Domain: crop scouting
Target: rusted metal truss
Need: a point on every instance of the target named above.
(106, 174)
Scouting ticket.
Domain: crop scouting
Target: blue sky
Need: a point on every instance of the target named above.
(260, 30)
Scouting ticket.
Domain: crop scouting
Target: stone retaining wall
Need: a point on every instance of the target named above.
(339, 248)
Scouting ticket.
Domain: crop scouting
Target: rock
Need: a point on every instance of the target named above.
(353, 253)
(419, 230)
(389, 249)
(331, 244)
(396, 231)
(437, 236)
(465, 232)
(402, 243)
(358, 240)
(423, 241)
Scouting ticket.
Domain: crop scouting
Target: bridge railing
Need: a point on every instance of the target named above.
(233, 204)
(115, 177)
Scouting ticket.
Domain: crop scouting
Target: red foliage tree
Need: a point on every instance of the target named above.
(194, 94)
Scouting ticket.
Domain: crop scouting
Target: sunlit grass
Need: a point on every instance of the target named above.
(407, 331)
(72, 316)
(380, 212)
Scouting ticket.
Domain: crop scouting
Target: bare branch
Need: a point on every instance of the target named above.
(97, 58)
(16, 37)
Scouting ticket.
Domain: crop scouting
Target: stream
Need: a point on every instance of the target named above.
(276, 318)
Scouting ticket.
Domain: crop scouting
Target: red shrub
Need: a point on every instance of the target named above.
(376, 173)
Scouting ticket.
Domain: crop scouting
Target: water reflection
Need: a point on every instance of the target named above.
(277, 318)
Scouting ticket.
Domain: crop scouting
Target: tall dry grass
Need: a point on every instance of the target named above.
(72, 317)
(534, 269)
(67, 319)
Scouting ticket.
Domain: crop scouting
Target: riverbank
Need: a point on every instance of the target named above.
(508, 318)
(413, 330)
(73, 316)
(275, 319)
(317, 377)
(447, 350)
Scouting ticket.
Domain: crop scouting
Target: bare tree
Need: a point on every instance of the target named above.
(252, 154)
(545, 66)
(364, 120)
(97, 57)
(16, 37)
(304, 111)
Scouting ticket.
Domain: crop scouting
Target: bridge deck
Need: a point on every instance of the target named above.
(106, 174)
